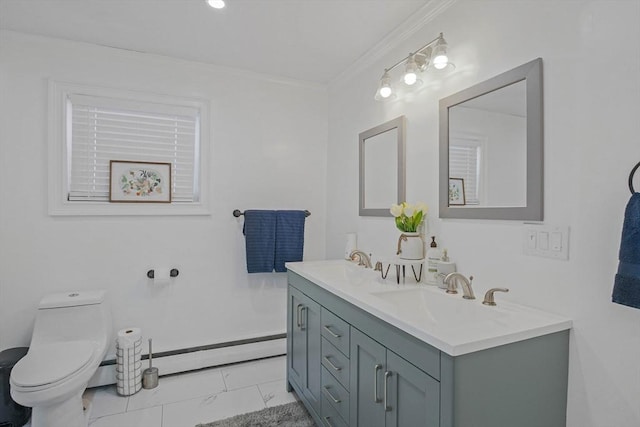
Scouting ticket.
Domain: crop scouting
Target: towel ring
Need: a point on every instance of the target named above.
(633, 171)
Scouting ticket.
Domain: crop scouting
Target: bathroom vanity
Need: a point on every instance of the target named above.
(368, 353)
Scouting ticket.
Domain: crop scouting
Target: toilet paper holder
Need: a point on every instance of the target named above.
(173, 273)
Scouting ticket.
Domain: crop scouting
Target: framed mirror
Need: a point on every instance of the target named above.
(382, 167)
(491, 148)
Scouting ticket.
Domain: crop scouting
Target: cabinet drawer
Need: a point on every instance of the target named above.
(330, 416)
(335, 362)
(335, 330)
(335, 394)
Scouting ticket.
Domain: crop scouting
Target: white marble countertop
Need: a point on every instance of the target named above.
(448, 322)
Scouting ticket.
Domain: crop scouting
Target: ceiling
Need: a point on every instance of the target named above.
(308, 40)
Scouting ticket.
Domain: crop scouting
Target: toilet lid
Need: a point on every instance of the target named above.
(51, 362)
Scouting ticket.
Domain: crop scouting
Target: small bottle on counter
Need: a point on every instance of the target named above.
(445, 266)
(433, 257)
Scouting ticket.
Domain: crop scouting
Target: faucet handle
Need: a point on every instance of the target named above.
(488, 297)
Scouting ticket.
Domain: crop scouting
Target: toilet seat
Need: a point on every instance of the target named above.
(50, 363)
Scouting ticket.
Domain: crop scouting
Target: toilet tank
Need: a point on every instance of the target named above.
(72, 316)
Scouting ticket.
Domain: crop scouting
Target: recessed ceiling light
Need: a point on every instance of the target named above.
(216, 4)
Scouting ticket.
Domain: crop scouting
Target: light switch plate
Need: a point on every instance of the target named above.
(546, 241)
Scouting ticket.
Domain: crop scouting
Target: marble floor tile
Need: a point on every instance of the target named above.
(105, 401)
(148, 417)
(175, 388)
(257, 372)
(275, 393)
(212, 408)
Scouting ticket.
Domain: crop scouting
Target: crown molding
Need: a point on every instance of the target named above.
(412, 25)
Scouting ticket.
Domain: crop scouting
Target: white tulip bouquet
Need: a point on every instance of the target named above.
(408, 217)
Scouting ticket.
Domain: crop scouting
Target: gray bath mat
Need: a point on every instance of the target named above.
(290, 415)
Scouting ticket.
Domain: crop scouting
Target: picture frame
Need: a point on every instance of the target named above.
(456, 192)
(139, 182)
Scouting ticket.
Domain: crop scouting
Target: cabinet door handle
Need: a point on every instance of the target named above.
(334, 367)
(329, 395)
(298, 315)
(387, 374)
(303, 319)
(375, 383)
(328, 421)
(333, 334)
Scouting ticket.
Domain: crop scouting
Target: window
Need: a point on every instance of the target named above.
(465, 157)
(99, 125)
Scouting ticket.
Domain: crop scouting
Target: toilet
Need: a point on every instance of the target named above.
(70, 338)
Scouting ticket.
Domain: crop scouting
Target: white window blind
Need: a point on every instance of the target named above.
(464, 162)
(100, 129)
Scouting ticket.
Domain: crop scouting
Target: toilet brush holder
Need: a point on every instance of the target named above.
(150, 375)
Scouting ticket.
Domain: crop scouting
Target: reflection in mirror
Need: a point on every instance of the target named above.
(488, 147)
(382, 175)
(491, 140)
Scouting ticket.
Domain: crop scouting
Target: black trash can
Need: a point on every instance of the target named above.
(11, 414)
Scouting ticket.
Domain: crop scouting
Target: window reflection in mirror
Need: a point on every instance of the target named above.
(487, 147)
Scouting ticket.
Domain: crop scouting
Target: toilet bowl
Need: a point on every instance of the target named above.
(70, 338)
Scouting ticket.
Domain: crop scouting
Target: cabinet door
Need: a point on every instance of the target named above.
(366, 382)
(412, 396)
(304, 352)
(311, 325)
(297, 339)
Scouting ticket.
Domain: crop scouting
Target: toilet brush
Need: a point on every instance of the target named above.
(150, 375)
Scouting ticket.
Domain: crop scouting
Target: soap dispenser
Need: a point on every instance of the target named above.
(433, 257)
(445, 266)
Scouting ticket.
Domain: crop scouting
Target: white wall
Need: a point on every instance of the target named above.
(268, 151)
(591, 54)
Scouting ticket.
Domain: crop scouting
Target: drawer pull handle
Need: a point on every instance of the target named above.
(329, 395)
(387, 374)
(328, 421)
(375, 383)
(334, 367)
(333, 334)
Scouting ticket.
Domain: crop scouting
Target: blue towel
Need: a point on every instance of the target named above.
(626, 288)
(289, 238)
(260, 239)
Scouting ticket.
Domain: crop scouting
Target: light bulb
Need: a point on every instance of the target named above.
(411, 68)
(384, 90)
(410, 78)
(440, 59)
(216, 4)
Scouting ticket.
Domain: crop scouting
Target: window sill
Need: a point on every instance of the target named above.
(127, 209)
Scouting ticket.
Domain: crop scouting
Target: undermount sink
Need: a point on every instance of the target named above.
(437, 306)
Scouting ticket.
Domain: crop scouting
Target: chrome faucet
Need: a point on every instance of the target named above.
(363, 259)
(451, 280)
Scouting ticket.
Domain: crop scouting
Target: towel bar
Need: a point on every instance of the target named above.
(237, 213)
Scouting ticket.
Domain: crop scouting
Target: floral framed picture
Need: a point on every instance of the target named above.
(139, 182)
(456, 192)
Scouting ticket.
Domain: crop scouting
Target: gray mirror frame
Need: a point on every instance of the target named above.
(398, 123)
(531, 72)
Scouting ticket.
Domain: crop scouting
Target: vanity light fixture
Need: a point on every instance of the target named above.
(216, 4)
(431, 55)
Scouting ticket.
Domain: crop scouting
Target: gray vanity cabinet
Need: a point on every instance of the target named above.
(388, 390)
(303, 345)
(350, 368)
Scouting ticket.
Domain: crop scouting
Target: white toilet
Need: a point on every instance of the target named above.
(70, 338)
